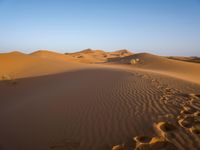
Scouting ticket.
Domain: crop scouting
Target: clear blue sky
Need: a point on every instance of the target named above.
(166, 27)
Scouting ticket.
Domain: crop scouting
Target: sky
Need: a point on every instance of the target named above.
(164, 27)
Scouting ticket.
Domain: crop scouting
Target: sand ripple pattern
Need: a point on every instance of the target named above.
(93, 109)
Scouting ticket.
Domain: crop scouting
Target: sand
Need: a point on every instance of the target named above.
(187, 59)
(65, 105)
(20, 65)
(179, 69)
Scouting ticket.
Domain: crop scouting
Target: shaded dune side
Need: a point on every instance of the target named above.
(123, 105)
(180, 69)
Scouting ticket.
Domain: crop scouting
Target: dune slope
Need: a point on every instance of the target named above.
(49, 55)
(180, 69)
(18, 65)
(98, 56)
(74, 110)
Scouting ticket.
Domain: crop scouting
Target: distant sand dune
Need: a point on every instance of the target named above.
(49, 55)
(43, 62)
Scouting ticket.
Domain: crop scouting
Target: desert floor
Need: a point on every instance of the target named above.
(60, 105)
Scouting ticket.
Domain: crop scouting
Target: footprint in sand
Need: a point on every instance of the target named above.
(186, 122)
(197, 113)
(194, 95)
(156, 143)
(128, 144)
(165, 129)
(168, 95)
(188, 110)
(195, 129)
(189, 117)
(118, 147)
(192, 123)
(142, 139)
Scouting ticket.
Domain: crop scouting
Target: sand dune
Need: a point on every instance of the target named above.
(18, 65)
(187, 59)
(49, 55)
(98, 56)
(180, 69)
(41, 62)
(60, 105)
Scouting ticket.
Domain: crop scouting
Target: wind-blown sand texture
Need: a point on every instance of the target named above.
(58, 103)
(187, 59)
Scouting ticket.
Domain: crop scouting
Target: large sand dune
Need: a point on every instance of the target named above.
(41, 62)
(18, 65)
(60, 105)
(180, 69)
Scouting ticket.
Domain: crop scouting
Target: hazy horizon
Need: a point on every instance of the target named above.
(113, 50)
(159, 27)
